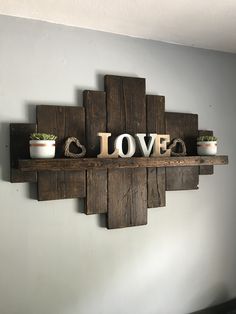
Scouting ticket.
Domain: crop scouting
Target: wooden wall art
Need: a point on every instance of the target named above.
(123, 188)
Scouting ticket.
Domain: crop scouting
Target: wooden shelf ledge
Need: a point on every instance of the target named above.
(63, 164)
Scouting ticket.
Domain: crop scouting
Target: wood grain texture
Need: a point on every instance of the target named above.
(119, 163)
(205, 170)
(95, 115)
(63, 121)
(156, 194)
(184, 126)
(127, 198)
(156, 187)
(19, 148)
(126, 106)
(126, 113)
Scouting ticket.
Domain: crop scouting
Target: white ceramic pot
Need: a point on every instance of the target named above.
(207, 148)
(42, 148)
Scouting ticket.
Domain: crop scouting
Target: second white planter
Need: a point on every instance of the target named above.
(206, 148)
(42, 148)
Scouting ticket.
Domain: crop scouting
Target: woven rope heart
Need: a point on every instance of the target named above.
(68, 142)
(172, 146)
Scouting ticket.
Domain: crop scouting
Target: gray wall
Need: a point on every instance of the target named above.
(56, 260)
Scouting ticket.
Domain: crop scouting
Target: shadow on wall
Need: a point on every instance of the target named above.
(5, 151)
(228, 307)
(219, 305)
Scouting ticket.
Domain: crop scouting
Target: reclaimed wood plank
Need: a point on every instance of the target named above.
(95, 115)
(126, 113)
(63, 121)
(19, 148)
(205, 170)
(156, 183)
(125, 195)
(119, 163)
(184, 126)
(156, 187)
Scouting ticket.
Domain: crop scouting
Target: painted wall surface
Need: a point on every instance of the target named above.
(56, 260)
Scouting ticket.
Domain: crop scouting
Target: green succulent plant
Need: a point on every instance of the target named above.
(43, 136)
(206, 138)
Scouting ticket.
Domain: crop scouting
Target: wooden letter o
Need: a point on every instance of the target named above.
(131, 145)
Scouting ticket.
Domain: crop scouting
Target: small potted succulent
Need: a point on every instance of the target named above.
(206, 145)
(42, 145)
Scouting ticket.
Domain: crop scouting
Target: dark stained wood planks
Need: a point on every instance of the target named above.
(127, 198)
(205, 170)
(122, 187)
(65, 164)
(95, 116)
(63, 121)
(184, 126)
(156, 176)
(127, 188)
(19, 149)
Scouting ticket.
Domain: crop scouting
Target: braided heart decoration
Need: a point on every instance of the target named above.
(68, 142)
(174, 144)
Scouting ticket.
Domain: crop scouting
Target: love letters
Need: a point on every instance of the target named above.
(156, 145)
